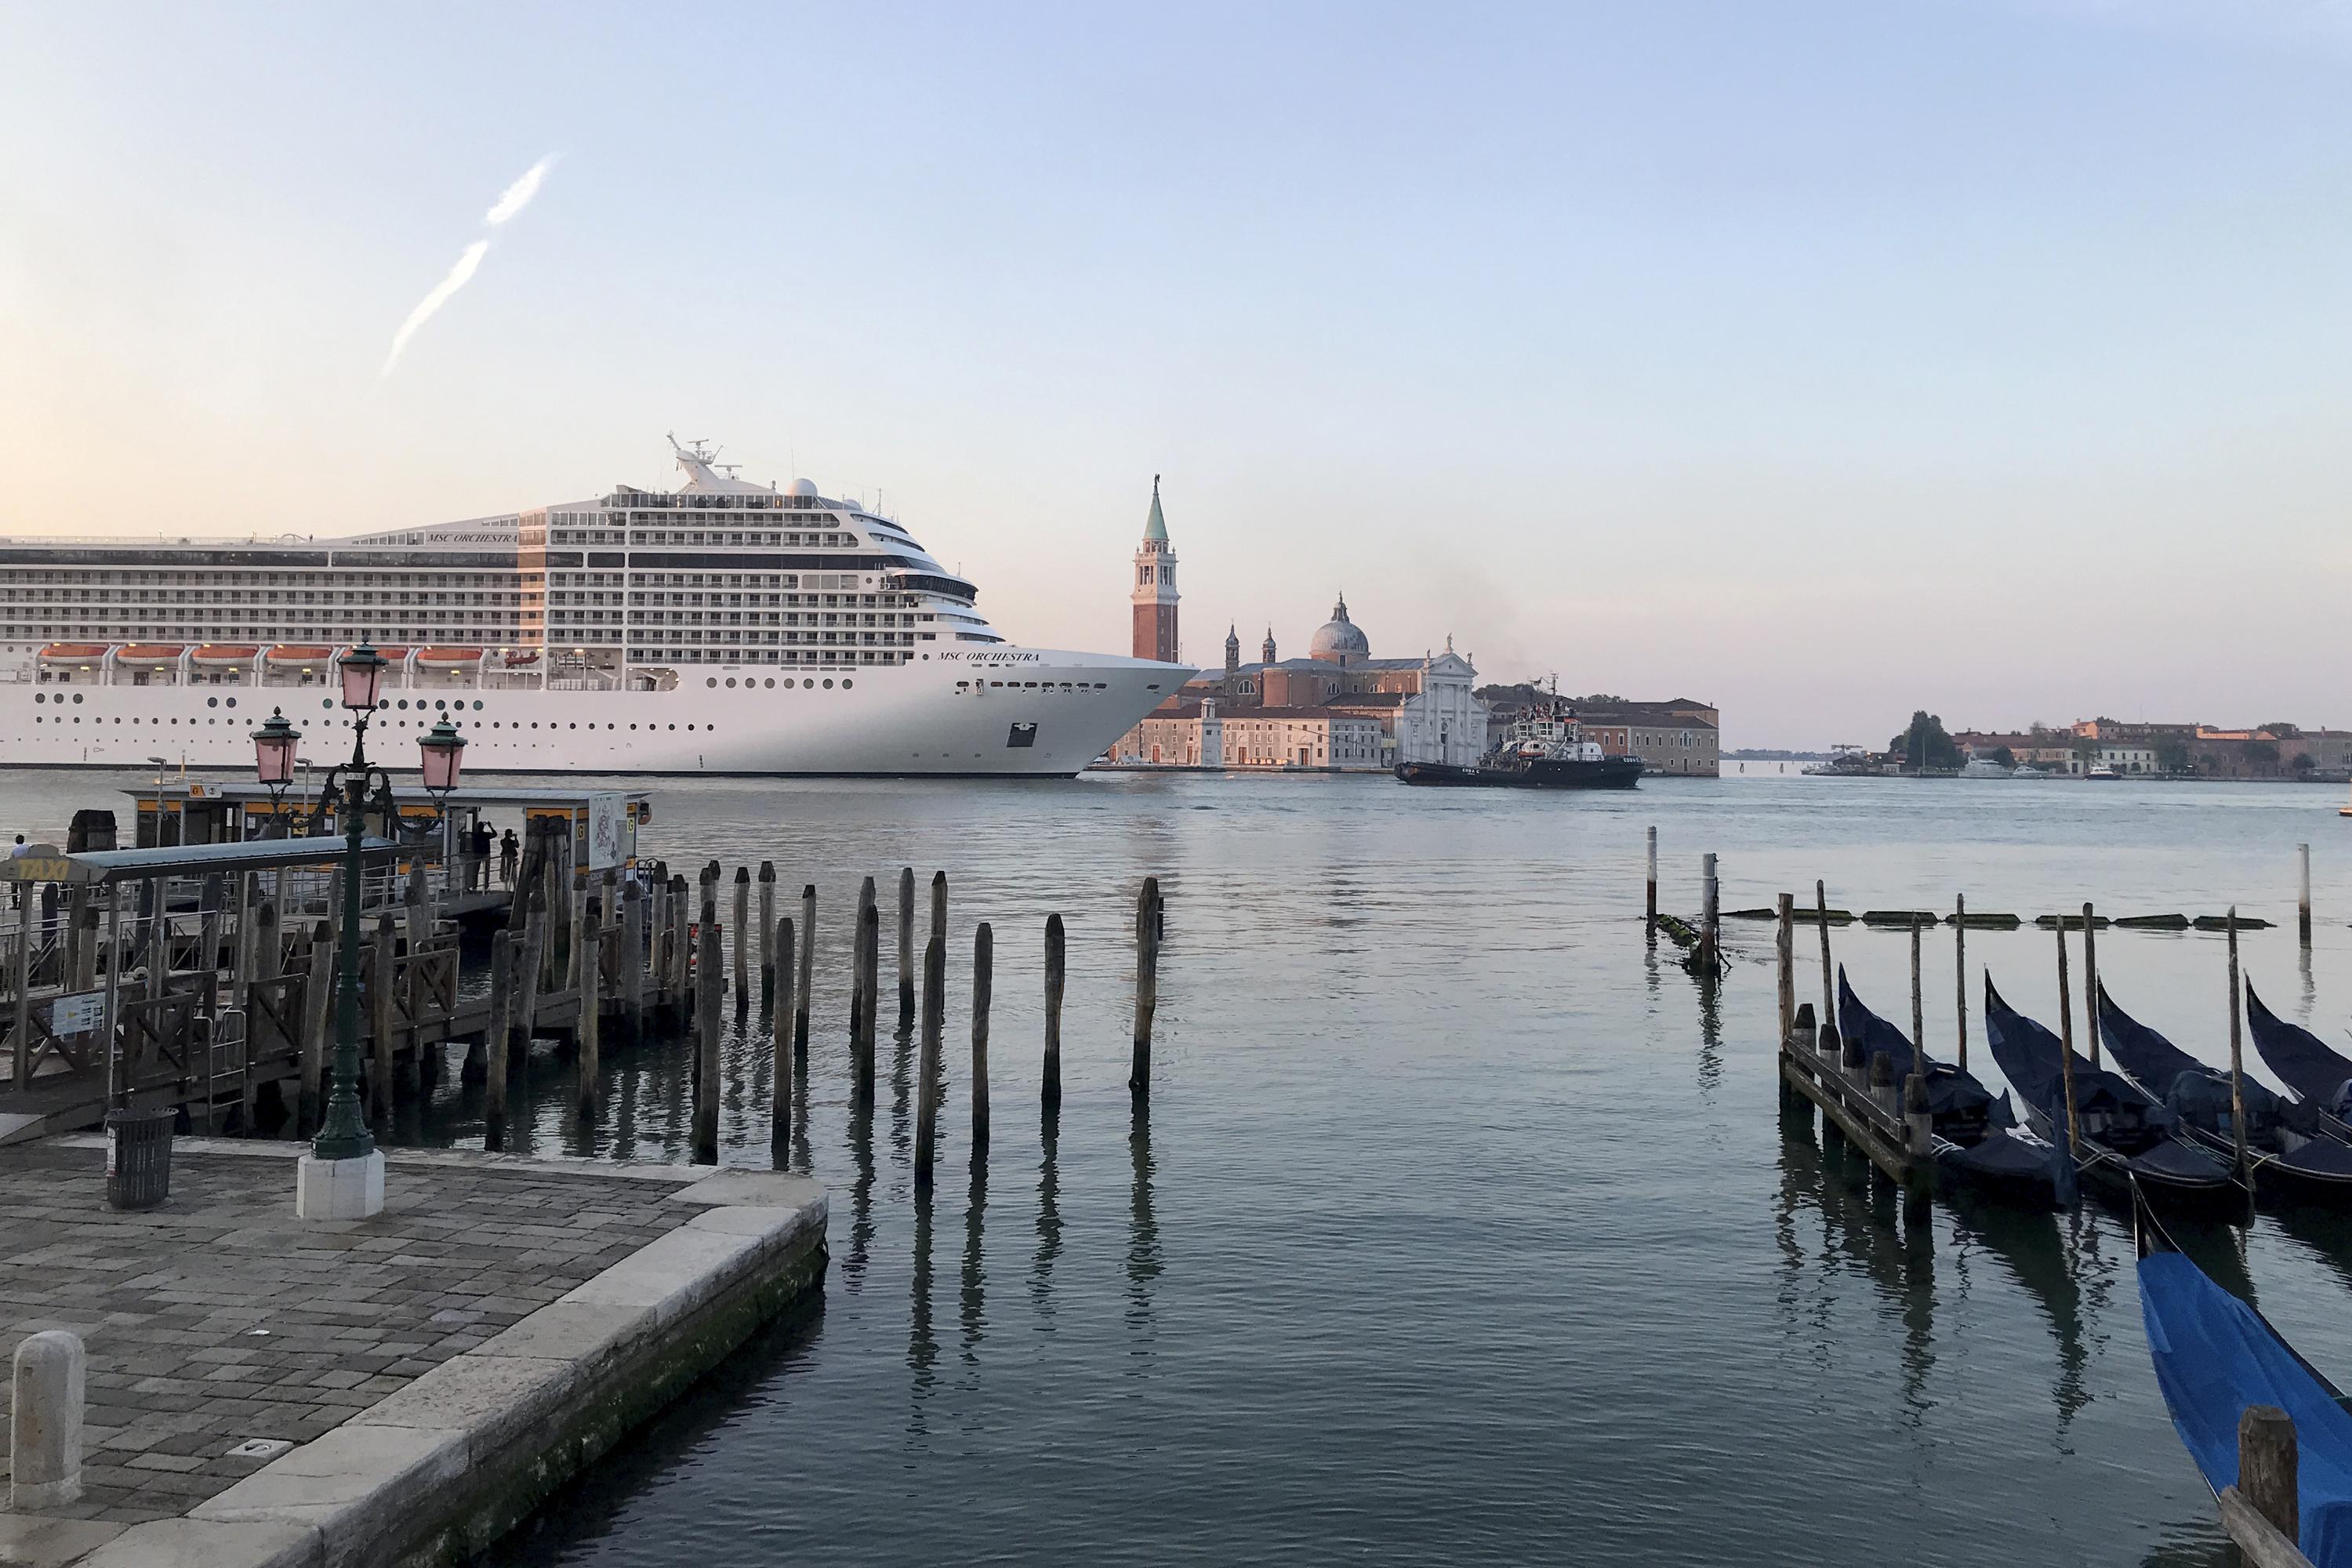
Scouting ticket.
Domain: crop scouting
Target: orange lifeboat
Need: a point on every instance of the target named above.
(297, 653)
(225, 653)
(74, 652)
(450, 655)
(148, 653)
(392, 655)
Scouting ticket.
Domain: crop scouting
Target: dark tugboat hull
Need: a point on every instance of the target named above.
(1610, 772)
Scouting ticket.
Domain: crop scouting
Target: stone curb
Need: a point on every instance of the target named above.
(438, 1470)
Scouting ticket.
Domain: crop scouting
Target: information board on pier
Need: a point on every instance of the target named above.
(77, 1015)
(609, 831)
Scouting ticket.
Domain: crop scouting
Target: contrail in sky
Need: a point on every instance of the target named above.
(516, 197)
(458, 277)
(519, 195)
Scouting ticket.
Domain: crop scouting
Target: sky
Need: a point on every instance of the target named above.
(1820, 361)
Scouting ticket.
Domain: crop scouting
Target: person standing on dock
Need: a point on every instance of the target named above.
(17, 853)
(509, 854)
(478, 873)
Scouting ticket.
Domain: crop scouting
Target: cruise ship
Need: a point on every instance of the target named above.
(720, 627)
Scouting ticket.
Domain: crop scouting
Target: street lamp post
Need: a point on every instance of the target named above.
(273, 755)
(343, 1134)
(343, 1177)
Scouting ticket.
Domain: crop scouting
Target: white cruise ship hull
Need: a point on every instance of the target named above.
(1018, 712)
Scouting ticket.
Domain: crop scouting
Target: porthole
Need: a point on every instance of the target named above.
(730, 683)
(710, 680)
(575, 726)
(478, 705)
(673, 726)
(232, 701)
(828, 683)
(403, 704)
(77, 695)
(846, 683)
(632, 726)
(771, 680)
(212, 701)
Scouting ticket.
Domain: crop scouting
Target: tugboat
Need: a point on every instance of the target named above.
(1545, 749)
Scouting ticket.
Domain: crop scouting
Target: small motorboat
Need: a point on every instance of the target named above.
(1977, 1138)
(2125, 1132)
(2288, 1148)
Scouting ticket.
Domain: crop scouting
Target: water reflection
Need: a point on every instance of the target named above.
(2036, 1250)
(975, 1316)
(922, 1349)
(1866, 1225)
(861, 1190)
(1143, 1260)
(1049, 1214)
(1710, 1036)
(902, 1054)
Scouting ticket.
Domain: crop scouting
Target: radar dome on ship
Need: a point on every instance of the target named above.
(802, 487)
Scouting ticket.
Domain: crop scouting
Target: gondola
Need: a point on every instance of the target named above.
(2291, 1154)
(2215, 1356)
(2125, 1131)
(2320, 1076)
(1977, 1138)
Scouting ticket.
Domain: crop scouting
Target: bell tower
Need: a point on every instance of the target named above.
(1155, 588)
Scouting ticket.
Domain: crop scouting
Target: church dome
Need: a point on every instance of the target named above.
(1339, 638)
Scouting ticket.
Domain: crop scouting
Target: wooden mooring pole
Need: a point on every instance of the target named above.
(590, 932)
(2066, 1050)
(2091, 984)
(927, 1065)
(905, 945)
(780, 1030)
(869, 983)
(808, 960)
(1784, 953)
(1708, 959)
(983, 943)
(494, 1090)
(2237, 1056)
(2303, 893)
(1650, 918)
(857, 1014)
(380, 1016)
(1146, 984)
(708, 1021)
(744, 937)
(767, 928)
(2269, 1477)
(1960, 967)
(1051, 1093)
(633, 961)
(1828, 1039)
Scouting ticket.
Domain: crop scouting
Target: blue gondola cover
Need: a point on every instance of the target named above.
(2214, 1357)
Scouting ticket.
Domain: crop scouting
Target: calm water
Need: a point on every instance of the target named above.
(1463, 1228)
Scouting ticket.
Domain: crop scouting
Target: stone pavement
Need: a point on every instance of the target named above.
(219, 1320)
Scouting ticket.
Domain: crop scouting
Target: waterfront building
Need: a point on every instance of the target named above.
(1422, 710)
(723, 626)
(1197, 732)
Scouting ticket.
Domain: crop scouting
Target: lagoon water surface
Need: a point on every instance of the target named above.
(1462, 1226)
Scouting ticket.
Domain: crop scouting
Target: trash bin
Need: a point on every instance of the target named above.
(138, 1158)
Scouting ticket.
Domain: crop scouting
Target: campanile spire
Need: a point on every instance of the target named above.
(1154, 597)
